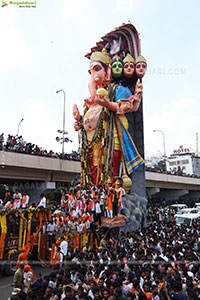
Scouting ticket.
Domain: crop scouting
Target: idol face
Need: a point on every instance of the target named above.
(97, 72)
(129, 69)
(140, 69)
(117, 69)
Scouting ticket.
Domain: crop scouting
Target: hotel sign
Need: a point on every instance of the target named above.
(181, 150)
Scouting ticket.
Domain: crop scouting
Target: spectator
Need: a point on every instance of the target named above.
(28, 278)
(63, 249)
(51, 233)
(43, 201)
(17, 199)
(18, 281)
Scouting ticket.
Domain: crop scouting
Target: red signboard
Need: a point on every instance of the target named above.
(181, 150)
(12, 242)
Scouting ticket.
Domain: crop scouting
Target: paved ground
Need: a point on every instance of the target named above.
(6, 282)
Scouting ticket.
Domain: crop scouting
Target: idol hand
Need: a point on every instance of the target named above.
(76, 112)
(101, 100)
(139, 89)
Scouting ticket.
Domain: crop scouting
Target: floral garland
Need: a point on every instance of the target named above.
(3, 234)
(86, 174)
(104, 138)
(23, 210)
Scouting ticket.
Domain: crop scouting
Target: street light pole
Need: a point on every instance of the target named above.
(158, 130)
(63, 132)
(19, 125)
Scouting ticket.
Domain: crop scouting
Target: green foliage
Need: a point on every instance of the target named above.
(2, 192)
(3, 189)
(55, 195)
(162, 165)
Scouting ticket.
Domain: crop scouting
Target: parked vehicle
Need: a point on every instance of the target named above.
(177, 207)
(187, 219)
(187, 211)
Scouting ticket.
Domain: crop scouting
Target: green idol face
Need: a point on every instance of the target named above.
(117, 69)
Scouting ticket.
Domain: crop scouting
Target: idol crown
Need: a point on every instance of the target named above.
(101, 56)
(140, 58)
(128, 59)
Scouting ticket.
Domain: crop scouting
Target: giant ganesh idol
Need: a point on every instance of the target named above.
(105, 138)
(108, 149)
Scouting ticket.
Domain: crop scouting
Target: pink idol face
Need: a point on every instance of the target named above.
(97, 72)
(128, 69)
(140, 69)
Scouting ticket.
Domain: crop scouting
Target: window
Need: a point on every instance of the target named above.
(172, 163)
(185, 162)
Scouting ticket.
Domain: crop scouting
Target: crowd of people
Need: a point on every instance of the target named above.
(158, 262)
(17, 144)
(79, 207)
(177, 172)
(14, 200)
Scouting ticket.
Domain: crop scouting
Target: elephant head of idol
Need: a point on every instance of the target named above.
(100, 71)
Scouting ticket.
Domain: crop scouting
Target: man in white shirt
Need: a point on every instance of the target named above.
(63, 249)
(10, 204)
(98, 211)
(51, 233)
(25, 200)
(17, 199)
(43, 201)
(1, 204)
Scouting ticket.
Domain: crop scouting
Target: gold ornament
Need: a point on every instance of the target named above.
(116, 58)
(140, 58)
(101, 56)
(117, 182)
(102, 92)
(128, 59)
(127, 182)
(109, 181)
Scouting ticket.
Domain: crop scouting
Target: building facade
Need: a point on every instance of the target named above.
(185, 161)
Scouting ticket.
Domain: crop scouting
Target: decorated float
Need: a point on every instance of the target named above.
(111, 126)
(21, 231)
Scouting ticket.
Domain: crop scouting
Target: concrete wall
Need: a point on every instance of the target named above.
(16, 166)
(160, 180)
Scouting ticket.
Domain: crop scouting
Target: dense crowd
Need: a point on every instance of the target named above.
(177, 172)
(17, 144)
(79, 207)
(158, 262)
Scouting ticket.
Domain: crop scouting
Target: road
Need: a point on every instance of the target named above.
(6, 281)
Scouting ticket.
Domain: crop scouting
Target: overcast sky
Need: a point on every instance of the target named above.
(42, 50)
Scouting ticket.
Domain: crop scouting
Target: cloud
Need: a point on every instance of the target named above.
(179, 120)
(14, 50)
(67, 10)
(35, 114)
(120, 4)
(35, 108)
(186, 103)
